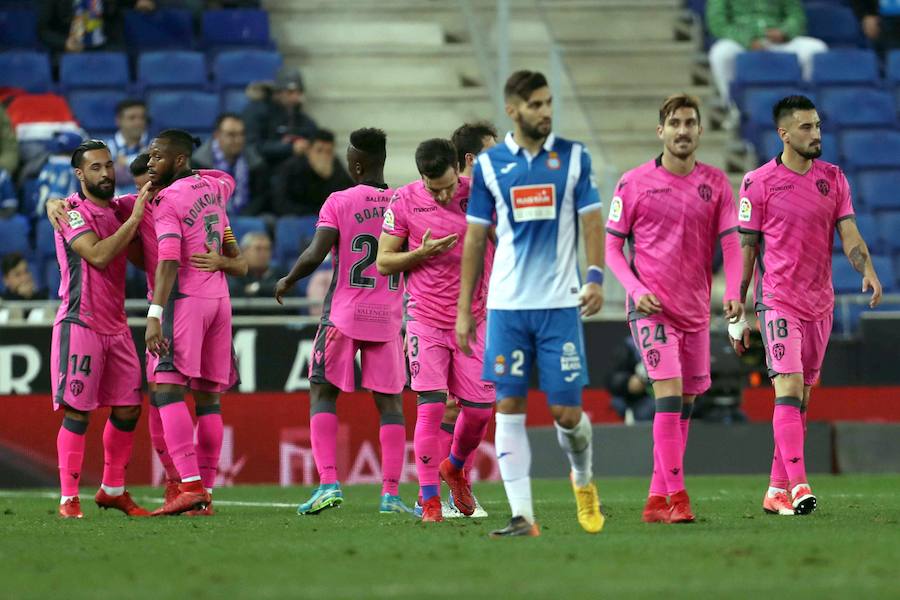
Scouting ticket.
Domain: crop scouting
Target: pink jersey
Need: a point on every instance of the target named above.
(672, 223)
(147, 233)
(795, 216)
(360, 303)
(90, 296)
(433, 285)
(189, 216)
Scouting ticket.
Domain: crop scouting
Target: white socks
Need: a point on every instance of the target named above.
(113, 491)
(514, 457)
(190, 479)
(576, 443)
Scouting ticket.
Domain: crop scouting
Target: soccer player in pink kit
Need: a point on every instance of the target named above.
(672, 211)
(95, 361)
(363, 312)
(420, 237)
(189, 321)
(788, 212)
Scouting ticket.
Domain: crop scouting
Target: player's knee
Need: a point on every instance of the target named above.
(125, 418)
(451, 411)
(208, 408)
(164, 398)
(320, 406)
(432, 398)
(75, 421)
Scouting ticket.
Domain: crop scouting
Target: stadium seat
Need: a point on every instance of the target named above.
(26, 69)
(858, 107)
(892, 67)
(235, 27)
(880, 189)
(292, 234)
(172, 29)
(18, 28)
(237, 68)
(172, 69)
(96, 110)
(889, 224)
(848, 66)
(45, 243)
(870, 149)
(243, 225)
(772, 146)
(14, 232)
(193, 111)
(868, 229)
(833, 24)
(52, 278)
(764, 69)
(94, 70)
(234, 100)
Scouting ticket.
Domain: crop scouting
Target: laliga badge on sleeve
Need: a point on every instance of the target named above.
(75, 219)
(745, 211)
(615, 209)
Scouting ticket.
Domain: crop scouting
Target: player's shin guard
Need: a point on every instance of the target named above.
(179, 433)
(118, 440)
(210, 431)
(70, 453)
(577, 444)
(667, 441)
(392, 436)
(323, 427)
(788, 428)
(429, 411)
(158, 439)
(470, 429)
(514, 458)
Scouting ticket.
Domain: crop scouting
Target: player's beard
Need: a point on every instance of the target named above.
(534, 131)
(811, 152)
(100, 192)
(675, 151)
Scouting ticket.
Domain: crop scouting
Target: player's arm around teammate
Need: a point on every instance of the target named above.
(231, 261)
(99, 252)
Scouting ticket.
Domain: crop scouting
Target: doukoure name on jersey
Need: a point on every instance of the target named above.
(198, 206)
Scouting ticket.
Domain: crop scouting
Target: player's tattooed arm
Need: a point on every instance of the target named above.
(749, 252)
(857, 253)
(322, 243)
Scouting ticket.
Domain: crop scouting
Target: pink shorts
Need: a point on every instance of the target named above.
(90, 370)
(670, 353)
(334, 361)
(200, 351)
(794, 345)
(437, 363)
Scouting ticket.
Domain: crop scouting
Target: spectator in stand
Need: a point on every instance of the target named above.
(17, 279)
(260, 280)
(9, 202)
(629, 385)
(276, 125)
(9, 147)
(130, 140)
(227, 151)
(318, 286)
(303, 183)
(883, 30)
(56, 178)
(754, 25)
(83, 25)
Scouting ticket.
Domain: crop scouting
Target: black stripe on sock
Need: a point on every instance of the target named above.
(166, 398)
(788, 401)
(669, 404)
(392, 419)
(431, 398)
(209, 409)
(75, 426)
(122, 424)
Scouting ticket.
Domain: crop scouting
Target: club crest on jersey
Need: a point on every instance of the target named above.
(745, 210)
(823, 186)
(414, 368)
(653, 358)
(570, 360)
(705, 192)
(76, 386)
(500, 365)
(553, 161)
(615, 209)
(75, 219)
(778, 351)
(389, 220)
(535, 202)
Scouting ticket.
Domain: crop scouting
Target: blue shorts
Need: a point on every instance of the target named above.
(553, 336)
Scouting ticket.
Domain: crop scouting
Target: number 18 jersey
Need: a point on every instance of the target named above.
(360, 303)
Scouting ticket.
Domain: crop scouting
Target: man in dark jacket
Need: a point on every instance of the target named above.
(78, 26)
(304, 182)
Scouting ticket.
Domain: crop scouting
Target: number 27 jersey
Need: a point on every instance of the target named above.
(360, 303)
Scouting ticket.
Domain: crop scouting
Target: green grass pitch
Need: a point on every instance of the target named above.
(257, 547)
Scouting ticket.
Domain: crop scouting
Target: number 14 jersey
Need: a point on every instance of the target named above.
(360, 303)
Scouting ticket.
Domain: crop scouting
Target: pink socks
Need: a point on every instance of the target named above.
(179, 435)
(470, 429)
(668, 446)
(70, 454)
(392, 436)
(323, 433)
(429, 412)
(787, 424)
(118, 439)
(158, 441)
(209, 442)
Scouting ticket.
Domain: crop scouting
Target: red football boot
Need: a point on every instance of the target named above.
(191, 496)
(680, 508)
(71, 509)
(171, 490)
(122, 502)
(656, 510)
(205, 512)
(459, 487)
(431, 510)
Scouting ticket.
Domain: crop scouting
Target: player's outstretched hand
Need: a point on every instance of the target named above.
(281, 288)
(591, 299)
(57, 212)
(434, 247)
(739, 335)
(875, 284)
(465, 331)
(649, 304)
(210, 261)
(146, 193)
(156, 344)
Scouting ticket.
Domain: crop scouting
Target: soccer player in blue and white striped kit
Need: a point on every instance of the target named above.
(535, 187)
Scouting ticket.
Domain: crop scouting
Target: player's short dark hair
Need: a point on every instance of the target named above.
(676, 101)
(323, 135)
(83, 147)
(787, 105)
(226, 115)
(468, 139)
(180, 140)
(522, 84)
(435, 156)
(140, 164)
(10, 261)
(129, 103)
(370, 140)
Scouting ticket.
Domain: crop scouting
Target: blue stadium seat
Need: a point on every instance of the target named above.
(868, 229)
(292, 234)
(858, 107)
(848, 66)
(26, 69)
(94, 70)
(234, 100)
(237, 68)
(172, 29)
(892, 67)
(172, 69)
(880, 189)
(234, 28)
(243, 225)
(18, 28)
(772, 146)
(14, 232)
(885, 269)
(193, 111)
(764, 69)
(52, 278)
(889, 224)
(843, 276)
(833, 24)
(45, 242)
(870, 149)
(95, 109)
